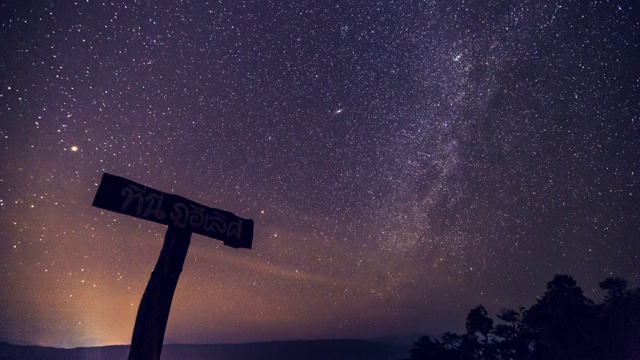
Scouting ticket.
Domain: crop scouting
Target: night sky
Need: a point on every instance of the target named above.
(404, 161)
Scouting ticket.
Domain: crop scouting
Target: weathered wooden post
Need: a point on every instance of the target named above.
(183, 217)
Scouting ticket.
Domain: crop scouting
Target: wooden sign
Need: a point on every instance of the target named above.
(130, 198)
(183, 217)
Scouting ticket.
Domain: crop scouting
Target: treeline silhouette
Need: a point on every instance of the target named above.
(563, 324)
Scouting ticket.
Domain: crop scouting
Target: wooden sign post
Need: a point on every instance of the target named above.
(183, 217)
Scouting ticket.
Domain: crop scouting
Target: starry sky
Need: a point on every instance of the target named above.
(403, 161)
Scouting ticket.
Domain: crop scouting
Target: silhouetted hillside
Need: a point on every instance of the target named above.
(300, 350)
(20, 352)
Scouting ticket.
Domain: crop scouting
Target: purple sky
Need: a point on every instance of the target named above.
(403, 161)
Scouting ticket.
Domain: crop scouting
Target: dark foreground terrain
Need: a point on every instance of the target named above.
(302, 350)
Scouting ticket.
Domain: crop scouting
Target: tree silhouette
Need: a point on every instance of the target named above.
(615, 288)
(619, 321)
(562, 324)
(427, 348)
(479, 323)
(514, 337)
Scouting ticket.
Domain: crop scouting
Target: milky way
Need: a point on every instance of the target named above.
(403, 161)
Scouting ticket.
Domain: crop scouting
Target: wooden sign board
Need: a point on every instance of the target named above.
(127, 197)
